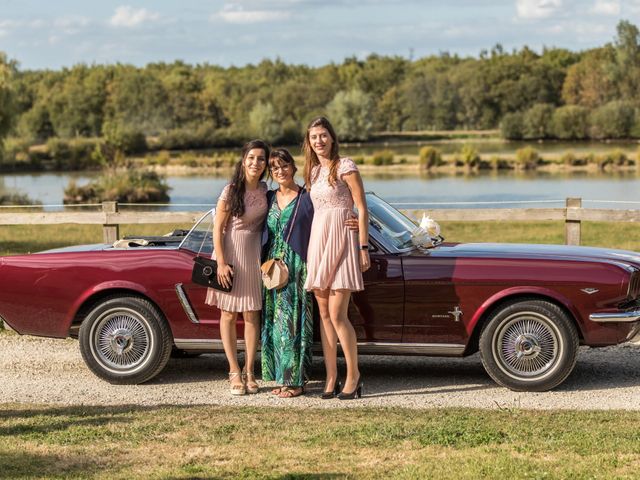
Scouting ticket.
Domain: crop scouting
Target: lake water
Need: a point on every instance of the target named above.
(483, 190)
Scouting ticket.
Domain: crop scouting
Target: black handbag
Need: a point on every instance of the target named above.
(205, 271)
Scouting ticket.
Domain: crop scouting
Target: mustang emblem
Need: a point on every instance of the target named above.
(589, 291)
(457, 313)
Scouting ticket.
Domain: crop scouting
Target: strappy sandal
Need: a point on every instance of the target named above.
(236, 389)
(289, 392)
(249, 380)
(278, 390)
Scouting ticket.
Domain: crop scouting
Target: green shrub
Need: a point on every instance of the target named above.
(527, 157)
(617, 158)
(429, 157)
(17, 199)
(612, 120)
(76, 154)
(569, 159)
(382, 157)
(469, 156)
(536, 122)
(570, 122)
(403, 160)
(130, 186)
(512, 126)
(359, 160)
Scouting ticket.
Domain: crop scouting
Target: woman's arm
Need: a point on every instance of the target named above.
(354, 182)
(225, 272)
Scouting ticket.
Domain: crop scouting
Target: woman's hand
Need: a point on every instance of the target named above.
(224, 274)
(352, 224)
(365, 262)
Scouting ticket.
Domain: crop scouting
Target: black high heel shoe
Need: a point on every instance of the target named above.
(357, 393)
(333, 393)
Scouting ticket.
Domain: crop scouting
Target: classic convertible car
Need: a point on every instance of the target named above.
(526, 308)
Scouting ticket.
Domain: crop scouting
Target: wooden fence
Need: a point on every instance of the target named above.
(572, 214)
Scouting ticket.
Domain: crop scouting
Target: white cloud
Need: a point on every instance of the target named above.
(237, 14)
(126, 16)
(606, 7)
(537, 9)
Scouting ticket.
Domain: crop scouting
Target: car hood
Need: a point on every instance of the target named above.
(560, 252)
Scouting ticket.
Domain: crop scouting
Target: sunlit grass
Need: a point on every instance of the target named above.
(245, 442)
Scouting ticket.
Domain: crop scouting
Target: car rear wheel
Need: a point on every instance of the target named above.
(125, 340)
(529, 345)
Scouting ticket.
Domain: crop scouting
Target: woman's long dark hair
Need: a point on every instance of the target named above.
(238, 181)
(310, 157)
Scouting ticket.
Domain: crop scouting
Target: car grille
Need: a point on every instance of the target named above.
(634, 286)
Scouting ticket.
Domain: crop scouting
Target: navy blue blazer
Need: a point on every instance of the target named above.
(300, 229)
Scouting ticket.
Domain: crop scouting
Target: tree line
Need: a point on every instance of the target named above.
(556, 93)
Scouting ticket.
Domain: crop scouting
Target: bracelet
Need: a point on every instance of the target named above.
(364, 247)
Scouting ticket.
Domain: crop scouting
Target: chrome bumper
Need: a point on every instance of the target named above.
(624, 317)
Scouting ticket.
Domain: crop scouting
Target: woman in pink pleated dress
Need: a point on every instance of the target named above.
(237, 232)
(336, 256)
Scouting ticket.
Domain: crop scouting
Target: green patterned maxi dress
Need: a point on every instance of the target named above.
(287, 314)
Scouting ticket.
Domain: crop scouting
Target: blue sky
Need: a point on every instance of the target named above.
(53, 34)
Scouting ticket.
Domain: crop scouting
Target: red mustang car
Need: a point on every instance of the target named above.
(526, 308)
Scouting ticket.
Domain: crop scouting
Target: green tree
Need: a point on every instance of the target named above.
(570, 122)
(613, 120)
(537, 121)
(511, 126)
(351, 112)
(264, 123)
(7, 107)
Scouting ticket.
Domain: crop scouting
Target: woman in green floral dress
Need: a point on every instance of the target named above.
(287, 313)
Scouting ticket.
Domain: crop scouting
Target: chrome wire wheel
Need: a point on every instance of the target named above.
(527, 346)
(121, 340)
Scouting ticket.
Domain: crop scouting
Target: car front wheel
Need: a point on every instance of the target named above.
(529, 345)
(125, 340)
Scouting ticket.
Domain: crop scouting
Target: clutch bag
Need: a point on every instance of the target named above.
(205, 273)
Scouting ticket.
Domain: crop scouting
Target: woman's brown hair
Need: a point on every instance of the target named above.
(281, 156)
(310, 157)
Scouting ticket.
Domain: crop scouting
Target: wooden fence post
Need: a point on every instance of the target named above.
(110, 232)
(572, 222)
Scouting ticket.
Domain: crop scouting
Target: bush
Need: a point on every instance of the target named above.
(383, 157)
(612, 120)
(569, 159)
(430, 157)
(469, 156)
(74, 154)
(570, 122)
(527, 157)
(131, 186)
(359, 160)
(511, 126)
(17, 199)
(536, 122)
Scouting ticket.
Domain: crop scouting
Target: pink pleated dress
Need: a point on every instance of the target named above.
(242, 247)
(333, 260)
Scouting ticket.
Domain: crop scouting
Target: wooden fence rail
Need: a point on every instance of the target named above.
(111, 218)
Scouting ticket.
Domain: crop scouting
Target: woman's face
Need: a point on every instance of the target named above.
(282, 172)
(321, 141)
(254, 163)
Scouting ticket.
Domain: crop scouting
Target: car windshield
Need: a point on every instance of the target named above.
(200, 238)
(398, 229)
(395, 227)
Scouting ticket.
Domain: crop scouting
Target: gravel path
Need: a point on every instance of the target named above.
(37, 370)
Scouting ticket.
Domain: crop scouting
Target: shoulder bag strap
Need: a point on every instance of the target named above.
(295, 213)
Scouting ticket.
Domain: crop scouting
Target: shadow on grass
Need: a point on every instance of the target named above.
(21, 464)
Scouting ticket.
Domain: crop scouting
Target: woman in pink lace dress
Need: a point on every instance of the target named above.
(336, 257)
(237, 232)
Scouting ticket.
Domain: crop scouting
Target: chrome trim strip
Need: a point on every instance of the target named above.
(626, 317)
(364, 348)
(186, 305)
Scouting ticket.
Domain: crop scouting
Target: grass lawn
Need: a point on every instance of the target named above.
(224, 442)
(34, 238)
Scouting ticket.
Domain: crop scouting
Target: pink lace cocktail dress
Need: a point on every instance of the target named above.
(333, 257)
(242, 245)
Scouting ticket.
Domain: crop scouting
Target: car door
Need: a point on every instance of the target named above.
(377, 312)
(432, 305)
